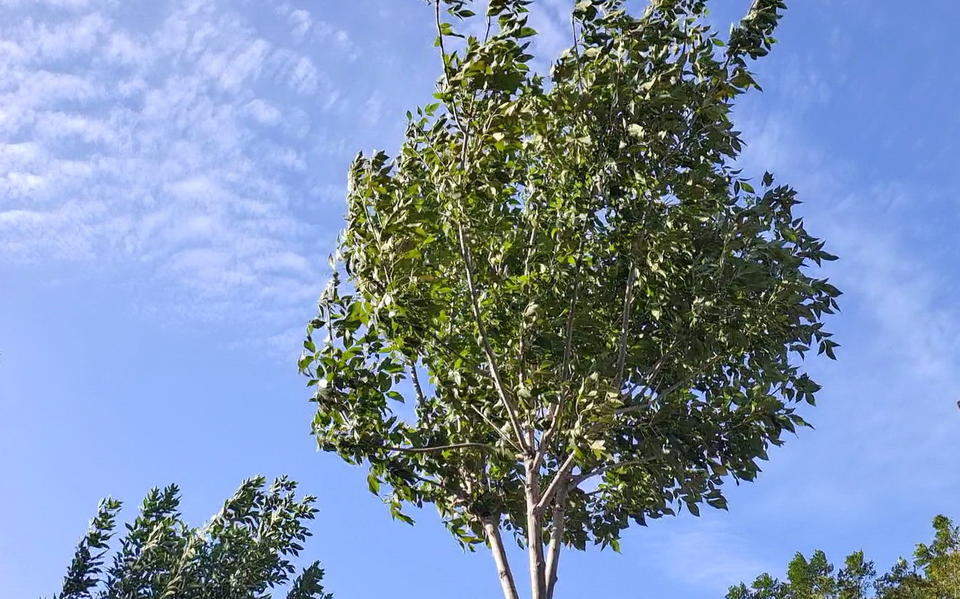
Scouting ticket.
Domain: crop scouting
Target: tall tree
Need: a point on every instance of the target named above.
(242, 553)
(934, 573)
(564, 309)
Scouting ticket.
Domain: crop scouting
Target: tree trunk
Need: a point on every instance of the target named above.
(538, 586)
(556, 539)
(492, 529)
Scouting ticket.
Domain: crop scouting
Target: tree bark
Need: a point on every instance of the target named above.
(535, 534)
(492, 529)
(556, 539)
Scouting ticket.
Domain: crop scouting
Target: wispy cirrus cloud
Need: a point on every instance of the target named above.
(890, 403)
(708, 554)
(183, 140)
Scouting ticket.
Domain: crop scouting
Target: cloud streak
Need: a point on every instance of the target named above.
(184, 146)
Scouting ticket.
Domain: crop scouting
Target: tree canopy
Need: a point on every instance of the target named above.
(562, 307)
(242, 553)
(933, 573)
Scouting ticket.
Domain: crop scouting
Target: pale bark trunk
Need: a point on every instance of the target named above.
(535, 535)
(556, 539)
(492, 530)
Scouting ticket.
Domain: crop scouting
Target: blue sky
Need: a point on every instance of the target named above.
(171, 182)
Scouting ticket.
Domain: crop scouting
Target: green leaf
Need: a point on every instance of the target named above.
(572, 255)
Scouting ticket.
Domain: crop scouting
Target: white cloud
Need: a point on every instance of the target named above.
(707, 554)
(882, 266)
(895, 386)
(263, 112)
(300, 22)
(555, 33)
(42, 88)
(303, 75)
(304, 28)
(163, 144)
(124, 49)
(64, 40)
(373, 110)
(67, 4)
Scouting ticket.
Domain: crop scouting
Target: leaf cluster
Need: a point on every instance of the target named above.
(933, 573)
(242, 553)
(568, 274)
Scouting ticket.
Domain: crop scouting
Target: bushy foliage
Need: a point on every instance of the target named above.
(562, 308)
(242, 553)
(933, 573)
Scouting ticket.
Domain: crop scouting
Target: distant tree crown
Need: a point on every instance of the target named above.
(934, 573)
(242, 553)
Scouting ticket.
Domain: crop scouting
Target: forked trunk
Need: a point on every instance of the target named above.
(543, 568)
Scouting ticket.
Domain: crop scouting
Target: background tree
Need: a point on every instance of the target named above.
(242, 553)
(609, 316)
(934, 573)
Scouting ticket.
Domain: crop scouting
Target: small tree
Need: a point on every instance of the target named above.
(242, 553)
(609, 315)
(934, 573)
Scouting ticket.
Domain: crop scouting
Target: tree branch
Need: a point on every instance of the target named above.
(556, 540)
(440, 448)
(557, 481)
(468, 263)
(625, 320)
(497, 429)
(416, 382)
(534, 530)
(443, 58)
(492, 531)
(682, 382)
(485, 343)
(555, 417)
(576, 480)
(556, 414)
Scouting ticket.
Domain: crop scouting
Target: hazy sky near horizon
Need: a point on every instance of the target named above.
(171, 182)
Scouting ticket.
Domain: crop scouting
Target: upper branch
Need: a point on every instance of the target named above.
(558, 480)
(441, 448)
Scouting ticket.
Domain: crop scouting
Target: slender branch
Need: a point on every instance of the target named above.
(682, 382)
(576, 480)
(468, 261)
(637, 408)
(625, 320)
(556, 416)
(416, 382)
(485, 343)
(556, 483)
(526, 272)
(438, 482)
(443, 58)
(440, 448)
(492, 531)
(572, 310)
(576, 51)
(496, 429)
(652, 375)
